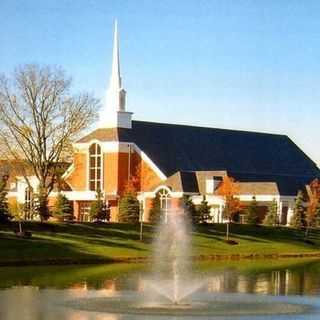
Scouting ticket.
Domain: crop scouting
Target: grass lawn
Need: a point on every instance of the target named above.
(84, 243)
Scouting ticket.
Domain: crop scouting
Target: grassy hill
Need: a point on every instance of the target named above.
(59, 243)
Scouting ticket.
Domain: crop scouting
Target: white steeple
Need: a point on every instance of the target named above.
(113, 113)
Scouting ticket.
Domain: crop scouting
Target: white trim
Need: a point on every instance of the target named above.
(81, 195)
(106, 146)
(116, 147)
(69, 170)
(101, 168)
(152, 194)
(211, 199)
(259, 197)
(157, 189)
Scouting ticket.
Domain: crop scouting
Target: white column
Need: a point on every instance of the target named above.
(290, 211)
(213, 214)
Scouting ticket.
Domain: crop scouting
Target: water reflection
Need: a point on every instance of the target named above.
(284, 282)
(36, 293)
(276, 278)
(29, 303)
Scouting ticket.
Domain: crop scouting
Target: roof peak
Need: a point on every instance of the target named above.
(208, 127)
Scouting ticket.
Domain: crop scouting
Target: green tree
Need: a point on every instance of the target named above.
(155, 213)
(317, 215)
(106, 213)
(98, 209)
(310, 220)
(298, 217)
(129, 208)
(204, 211)
(17, 212)
(191, 209)
(271, 218)
(4, 208)
(252, 212)
(63, 209)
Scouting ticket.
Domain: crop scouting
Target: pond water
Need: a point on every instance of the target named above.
(277, 289)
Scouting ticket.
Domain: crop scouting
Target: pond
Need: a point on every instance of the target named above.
(264, 289)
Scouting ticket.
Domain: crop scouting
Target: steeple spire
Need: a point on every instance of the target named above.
(113, 113)
(115, 75)
(116, 95)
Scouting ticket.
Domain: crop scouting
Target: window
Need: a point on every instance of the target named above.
(28, 202)
(165, 202)
(95, 166)
(84, 210)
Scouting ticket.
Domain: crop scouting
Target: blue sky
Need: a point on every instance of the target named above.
(238, 64)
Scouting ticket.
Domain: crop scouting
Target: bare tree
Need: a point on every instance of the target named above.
(39, 118)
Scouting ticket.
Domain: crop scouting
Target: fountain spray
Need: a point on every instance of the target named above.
(172, 265)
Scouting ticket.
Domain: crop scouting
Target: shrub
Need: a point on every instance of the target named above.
(63, 209)
(204, 211)
(298, 218)
(252, 212)
(191, 210)
(271, 218)
(98, 209)
(129, 208)
(155, 213)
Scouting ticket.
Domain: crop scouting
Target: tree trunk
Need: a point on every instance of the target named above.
(141, 220)
(20, 225)
(43, 209)
(228, 227)
(306, 233)
(141, 230)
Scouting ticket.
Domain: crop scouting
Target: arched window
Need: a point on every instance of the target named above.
(95, 172)
(165, 202)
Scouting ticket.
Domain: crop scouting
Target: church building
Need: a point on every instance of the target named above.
(172, 160)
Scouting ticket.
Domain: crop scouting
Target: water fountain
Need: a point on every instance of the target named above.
(172, 290)
(171, 277)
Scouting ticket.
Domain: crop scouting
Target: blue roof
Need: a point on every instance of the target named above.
(187, 148)
(249, 156)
